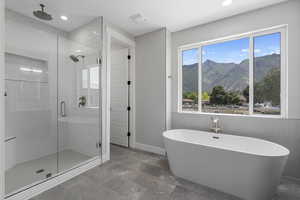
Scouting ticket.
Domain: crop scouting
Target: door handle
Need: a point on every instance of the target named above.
(10, 138)
(62, 108)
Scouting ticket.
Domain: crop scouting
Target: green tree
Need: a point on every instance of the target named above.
(232, 98)
(258, 92)
(217, 96)
(205, 96)
(246, 93)
(271, 86)
(268, 89)
(191, 95)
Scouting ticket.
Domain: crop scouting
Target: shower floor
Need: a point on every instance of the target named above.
(25, 173)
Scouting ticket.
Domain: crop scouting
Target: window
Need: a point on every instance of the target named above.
(239, 75)
(225, 75)
(89, 88)
(94, 78)
(90, 78)
(190, 80)
(267, 59)
(84, 78)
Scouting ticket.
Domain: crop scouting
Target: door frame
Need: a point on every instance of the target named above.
(2, 99)
(111, 33)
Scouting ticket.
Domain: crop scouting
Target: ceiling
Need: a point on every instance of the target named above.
(173, 14)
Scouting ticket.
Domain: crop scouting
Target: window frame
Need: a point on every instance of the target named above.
(282, 29)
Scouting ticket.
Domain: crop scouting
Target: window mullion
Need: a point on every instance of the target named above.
(283, 75)
(251, 75)
(180, 79)
(200, 79)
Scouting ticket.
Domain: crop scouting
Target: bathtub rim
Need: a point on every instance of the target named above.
(286, 151)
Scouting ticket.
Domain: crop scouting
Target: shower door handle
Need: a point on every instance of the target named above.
(62, 108)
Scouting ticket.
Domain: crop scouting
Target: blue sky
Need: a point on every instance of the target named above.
(234, 51)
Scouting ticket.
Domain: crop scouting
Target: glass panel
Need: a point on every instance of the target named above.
(31, 110)
(225, 77)
(52, 96)
(190, 76)
(78, 72)
(267, 62)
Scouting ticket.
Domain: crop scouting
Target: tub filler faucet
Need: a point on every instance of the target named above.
(215, 125)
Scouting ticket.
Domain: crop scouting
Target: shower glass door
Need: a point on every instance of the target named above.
(79, 95)
(52, 99)
(30, 103)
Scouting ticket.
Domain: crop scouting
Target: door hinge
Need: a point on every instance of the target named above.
(128, 134)
(48, 175)
(128, 108)
(98, 145)
(99, 61)
(129, 57)
(128, 82)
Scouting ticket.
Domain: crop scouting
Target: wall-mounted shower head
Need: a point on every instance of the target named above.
(41, 14)
(76, 58)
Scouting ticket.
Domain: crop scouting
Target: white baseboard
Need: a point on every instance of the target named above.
(150, 148)
(44, 186)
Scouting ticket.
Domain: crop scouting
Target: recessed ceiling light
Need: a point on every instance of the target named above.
(78, 51)
(63, 17)
(227, 3)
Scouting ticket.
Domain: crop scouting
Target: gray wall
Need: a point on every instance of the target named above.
(285, 132)
(150, 87)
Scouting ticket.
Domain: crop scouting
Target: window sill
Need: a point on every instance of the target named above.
(233, 115)
(92, 107)
(88, 108)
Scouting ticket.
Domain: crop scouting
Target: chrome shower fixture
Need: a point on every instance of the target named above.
(41, 14)
(76, 58)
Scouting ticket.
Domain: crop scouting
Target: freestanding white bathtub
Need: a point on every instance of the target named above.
(245, 167)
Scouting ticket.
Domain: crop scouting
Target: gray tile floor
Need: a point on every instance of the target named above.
(135, 175)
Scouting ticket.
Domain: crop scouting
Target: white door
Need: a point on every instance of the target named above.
(119, 97)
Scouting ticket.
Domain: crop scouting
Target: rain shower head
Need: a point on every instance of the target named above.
(41, 14)
(76, 58)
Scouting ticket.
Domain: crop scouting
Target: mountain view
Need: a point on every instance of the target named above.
(225, 76)
(232, 76)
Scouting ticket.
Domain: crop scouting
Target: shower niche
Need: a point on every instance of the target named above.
(52, 98)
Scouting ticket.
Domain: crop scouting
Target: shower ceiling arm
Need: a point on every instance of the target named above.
(41, 14)
(42, 7)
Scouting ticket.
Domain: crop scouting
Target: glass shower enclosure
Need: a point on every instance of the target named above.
(53, 112)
